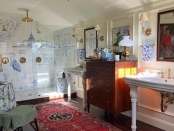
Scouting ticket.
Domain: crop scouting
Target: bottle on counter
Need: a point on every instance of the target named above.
(63, 75)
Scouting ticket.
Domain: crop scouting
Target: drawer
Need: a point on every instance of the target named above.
(100, 101)
(102, 90)
(98, 80)
(105, 70)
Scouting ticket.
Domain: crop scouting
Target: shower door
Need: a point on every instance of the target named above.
(43, 68)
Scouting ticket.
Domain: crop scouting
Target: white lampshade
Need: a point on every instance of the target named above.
(76, 32)
(97, 28)
(143, 17)
(126, 41)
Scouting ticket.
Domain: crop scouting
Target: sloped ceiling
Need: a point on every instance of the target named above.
(56, 14)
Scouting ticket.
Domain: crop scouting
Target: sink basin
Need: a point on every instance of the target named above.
(152, 82)
(155, 83)
(159, 80)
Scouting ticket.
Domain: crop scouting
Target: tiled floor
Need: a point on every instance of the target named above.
(123, 122)
(36, 93)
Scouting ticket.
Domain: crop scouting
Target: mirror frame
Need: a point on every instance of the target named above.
(158, 36)
(85, 40)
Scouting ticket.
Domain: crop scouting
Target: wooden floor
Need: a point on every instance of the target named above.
(123, 122)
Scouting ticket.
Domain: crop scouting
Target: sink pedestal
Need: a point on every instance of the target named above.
(154, 83)
(133, 94)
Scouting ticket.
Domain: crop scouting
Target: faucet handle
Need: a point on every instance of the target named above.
(162, 73)
(169, 70)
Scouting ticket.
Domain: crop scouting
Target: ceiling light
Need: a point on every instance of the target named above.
(27, 19)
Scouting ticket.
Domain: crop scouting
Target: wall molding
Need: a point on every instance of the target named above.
(155, 109)
(155, 121)
(150, 8)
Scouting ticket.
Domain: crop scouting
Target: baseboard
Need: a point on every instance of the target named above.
(73, 95)
(156, 109)
(45, 99)
(165, 125)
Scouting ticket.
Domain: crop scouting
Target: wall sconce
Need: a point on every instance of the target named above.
(38, 31)
(143, 19)
(97, 28)
(76, 32)
(3, 28)
(148, 32)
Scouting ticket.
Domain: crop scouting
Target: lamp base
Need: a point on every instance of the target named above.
(126, 53)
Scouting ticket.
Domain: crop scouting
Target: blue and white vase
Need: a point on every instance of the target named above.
(62, 85)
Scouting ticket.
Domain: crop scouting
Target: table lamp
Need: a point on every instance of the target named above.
(126, 42)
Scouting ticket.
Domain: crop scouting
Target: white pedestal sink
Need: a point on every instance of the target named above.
(155, 83)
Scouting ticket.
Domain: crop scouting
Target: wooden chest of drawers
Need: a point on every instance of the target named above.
(106, 87)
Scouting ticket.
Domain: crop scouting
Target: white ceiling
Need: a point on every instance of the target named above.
(57, 14)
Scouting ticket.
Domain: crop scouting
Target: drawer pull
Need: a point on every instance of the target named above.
(92, 77)
(107, 102)
(91, 96)
(108, 91)
(91, 86)
(107, 80)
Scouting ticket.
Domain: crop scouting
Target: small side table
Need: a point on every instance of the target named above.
(18, 117)
(8, 99)
(62, 85)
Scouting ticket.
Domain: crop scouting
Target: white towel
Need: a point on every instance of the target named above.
(146, 53)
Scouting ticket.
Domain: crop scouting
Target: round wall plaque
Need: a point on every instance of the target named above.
(5, 60)
(22, 60)
(38, 59)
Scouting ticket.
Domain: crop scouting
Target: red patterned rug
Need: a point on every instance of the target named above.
(58, 115)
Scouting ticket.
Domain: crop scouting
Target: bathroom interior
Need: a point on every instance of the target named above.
(44, 47)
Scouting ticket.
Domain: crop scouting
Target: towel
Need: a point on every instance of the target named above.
(146, 53)
(80, 53)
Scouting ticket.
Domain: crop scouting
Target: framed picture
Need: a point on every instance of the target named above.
(119, 32)
(0, 59)
(166, 41)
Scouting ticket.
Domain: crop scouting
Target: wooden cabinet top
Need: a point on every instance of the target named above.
(111, 62)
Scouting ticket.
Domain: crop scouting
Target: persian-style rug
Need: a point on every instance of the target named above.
(58, 115)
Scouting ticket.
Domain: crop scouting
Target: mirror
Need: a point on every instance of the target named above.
(165, 36)
(90, 42)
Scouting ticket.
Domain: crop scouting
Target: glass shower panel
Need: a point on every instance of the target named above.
(43, 68)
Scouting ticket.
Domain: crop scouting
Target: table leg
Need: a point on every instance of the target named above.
(133, 94)
(35, 120)
(1, 128)
(69, 87)
(84, 91)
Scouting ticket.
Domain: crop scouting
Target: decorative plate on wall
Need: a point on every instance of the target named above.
(22, 60)
(38, 59)
(5, 60)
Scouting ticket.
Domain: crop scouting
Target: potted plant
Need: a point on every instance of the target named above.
(117, 52)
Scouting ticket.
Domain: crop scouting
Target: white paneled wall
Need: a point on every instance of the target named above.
(149, 100)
